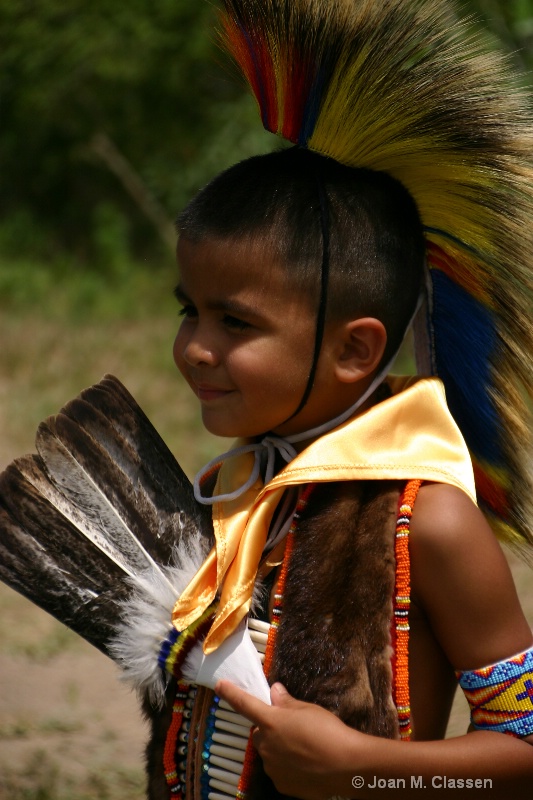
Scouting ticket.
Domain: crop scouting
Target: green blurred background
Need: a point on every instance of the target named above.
(112, 115)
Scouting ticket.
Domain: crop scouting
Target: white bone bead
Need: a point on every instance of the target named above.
(222, 775)
(232, 716)
(225, 763)
(228, 752)
(238, 730)
(223, 787)
(258, 625)
(258, 636)
(217, 796)
(240, 742)
(222, 704)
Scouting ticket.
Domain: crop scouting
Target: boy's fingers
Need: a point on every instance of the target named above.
(242, 702)
(280, 696)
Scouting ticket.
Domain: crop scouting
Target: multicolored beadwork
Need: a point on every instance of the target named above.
(402, 602)
(207, 743)
(172, 655)
(178, 644)
(501, 696)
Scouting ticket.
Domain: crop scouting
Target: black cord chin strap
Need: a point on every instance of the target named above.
(323, 301)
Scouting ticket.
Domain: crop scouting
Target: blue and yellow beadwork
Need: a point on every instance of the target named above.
(178, 644)
(501, 696)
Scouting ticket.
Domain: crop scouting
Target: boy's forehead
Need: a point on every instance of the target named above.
(236, 262)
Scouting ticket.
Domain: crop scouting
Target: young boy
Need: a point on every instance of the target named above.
(349, 550)
(250, 252)
(352, 499)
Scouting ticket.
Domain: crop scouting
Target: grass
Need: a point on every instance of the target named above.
(61, 331)
(23, 728)
(55, 742)
(42, 779)
(19, 636)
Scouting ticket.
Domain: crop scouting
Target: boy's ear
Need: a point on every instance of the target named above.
(362, 347)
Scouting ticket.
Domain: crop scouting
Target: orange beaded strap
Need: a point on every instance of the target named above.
(251, 752)
(173, 776)
(402, 602)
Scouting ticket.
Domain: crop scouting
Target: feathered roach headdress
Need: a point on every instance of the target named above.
(403, 87)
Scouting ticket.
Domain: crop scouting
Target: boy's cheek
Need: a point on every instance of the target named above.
(177, 353)
(181, 363)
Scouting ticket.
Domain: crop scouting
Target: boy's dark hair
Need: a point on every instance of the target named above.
(376, 242)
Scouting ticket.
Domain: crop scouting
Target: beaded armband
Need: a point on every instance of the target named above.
(501, 696)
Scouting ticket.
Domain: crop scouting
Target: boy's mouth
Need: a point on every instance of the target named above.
(205, 392)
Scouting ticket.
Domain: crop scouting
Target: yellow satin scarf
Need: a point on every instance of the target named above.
(410, 435)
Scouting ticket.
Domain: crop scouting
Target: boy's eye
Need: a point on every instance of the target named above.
(188, 311)
(235, 323)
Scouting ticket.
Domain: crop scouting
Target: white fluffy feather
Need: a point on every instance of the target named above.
(146, 622)
(146, 619)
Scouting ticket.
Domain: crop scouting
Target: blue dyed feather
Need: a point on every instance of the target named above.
(465, 350)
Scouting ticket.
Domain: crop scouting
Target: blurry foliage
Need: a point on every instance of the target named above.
(113, 114)
(144, 77)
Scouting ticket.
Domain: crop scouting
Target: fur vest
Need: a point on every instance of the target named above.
(333, 645)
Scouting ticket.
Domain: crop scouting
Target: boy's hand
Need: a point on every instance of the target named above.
(301, 744)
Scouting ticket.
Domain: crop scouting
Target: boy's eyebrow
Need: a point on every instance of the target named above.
(226, 305)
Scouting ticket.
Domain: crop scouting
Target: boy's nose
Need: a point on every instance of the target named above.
(193, 351)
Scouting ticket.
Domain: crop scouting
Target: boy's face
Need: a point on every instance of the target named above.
(246, 342)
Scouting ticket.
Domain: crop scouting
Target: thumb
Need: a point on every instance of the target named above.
(279, 695)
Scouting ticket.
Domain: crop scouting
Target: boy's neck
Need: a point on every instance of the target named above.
(361, 404)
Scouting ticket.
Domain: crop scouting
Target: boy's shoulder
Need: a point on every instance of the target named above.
(447, 518)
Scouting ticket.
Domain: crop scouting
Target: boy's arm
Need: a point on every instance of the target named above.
(463, 585)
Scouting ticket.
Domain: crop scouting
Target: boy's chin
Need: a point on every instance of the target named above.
(242, 428)
(230, 430)
(225, 430)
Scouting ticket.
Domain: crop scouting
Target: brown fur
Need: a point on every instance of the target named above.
(334, 641)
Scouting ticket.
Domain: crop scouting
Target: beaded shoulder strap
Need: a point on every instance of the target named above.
(402, 602)
(250, 756)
